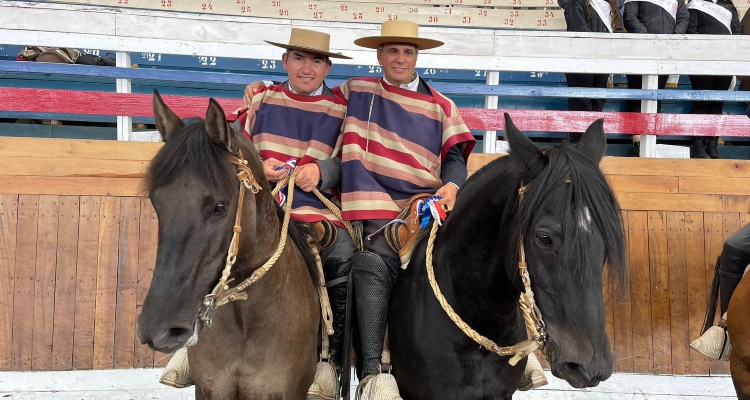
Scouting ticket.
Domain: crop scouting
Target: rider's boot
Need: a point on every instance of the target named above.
(325, 385)
(177, 371)
(714, 342)
(533, 376)
(372, 292)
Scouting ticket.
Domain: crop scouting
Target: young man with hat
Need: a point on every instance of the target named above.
(297, 126)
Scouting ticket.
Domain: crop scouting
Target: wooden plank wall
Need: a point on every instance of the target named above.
(78, 240)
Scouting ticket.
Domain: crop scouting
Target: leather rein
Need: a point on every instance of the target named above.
(222, 293)
(532, 315)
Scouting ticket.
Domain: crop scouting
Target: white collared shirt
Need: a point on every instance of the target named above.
(413, 85)
(317, 92)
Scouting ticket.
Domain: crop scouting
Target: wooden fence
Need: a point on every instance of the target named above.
(78, 240)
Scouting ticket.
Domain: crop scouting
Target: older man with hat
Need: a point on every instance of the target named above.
(297, 126)
(395, 124)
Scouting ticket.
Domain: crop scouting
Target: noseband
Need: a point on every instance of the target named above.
(531, 314)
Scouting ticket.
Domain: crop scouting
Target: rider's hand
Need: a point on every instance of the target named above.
(269, 171)
(448, 193)
(250, 90)
(308, 176)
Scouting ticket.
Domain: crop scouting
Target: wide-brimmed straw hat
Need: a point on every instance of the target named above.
(307, 40)
(398, 32)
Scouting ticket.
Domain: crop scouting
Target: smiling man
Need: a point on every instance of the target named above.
(297, 126)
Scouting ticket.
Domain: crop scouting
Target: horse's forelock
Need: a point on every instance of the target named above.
(589, 201)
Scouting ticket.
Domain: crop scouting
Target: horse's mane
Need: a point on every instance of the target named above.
(567, 165)
(192, 148)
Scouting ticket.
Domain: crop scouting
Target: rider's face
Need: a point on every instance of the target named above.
(306, 70)
(398, 61)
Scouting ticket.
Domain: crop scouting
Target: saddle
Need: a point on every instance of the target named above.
(402, 236)
(324, 232)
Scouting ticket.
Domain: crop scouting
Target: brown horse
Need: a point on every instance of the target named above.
(263, 347)
(738, 327)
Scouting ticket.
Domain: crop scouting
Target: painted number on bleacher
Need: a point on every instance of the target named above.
(537, 74)
(392, 17)
(246, 9)
(516, 2)
(541, 22)
(466, 20)
(207, 7)
(447, 11)
(122, 1)
(317, 14)
(432, 19)
(312, 6)
(549, 2)
(482, 13)
(508, 22)
(357, 15)
(344, 7)
(513, 14)
(275, 3)
(413, 10)
(85, 51)
(268, 64)
(480, 73)
(375, 69)
(283, 13)
(166, 3)
(429, 71)
(203, 60)
(151, 56)
(379, 9)
(458, 1)
(549, 14)
(487, 2)
(240, 1)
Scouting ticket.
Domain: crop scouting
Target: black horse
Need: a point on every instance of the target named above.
(569, 223)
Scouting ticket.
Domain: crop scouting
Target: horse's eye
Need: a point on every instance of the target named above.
(220, 208)
(544, 240)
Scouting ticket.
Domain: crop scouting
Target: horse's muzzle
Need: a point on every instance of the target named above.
(165, 338)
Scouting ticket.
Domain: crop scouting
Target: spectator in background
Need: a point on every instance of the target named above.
(710, 17)
(589, 16)
(652, 16)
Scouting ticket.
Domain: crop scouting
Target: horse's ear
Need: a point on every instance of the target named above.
(217, 126)
(594, 141)
(524, 152)
(167, 122)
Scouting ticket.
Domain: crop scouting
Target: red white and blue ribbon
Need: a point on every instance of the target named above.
(429, 207)
(289, 165)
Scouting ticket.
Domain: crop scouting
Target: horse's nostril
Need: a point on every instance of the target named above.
(178, 332)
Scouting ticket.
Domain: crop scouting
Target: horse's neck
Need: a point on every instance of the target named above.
(261, 239)
(479, 288)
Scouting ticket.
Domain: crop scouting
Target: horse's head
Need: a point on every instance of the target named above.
(570, 226)
(193, 189)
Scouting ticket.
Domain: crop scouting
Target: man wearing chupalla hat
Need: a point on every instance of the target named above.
(297, 126)
(401, 138)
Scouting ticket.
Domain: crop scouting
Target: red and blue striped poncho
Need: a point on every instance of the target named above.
(286, 126)
(395, 141)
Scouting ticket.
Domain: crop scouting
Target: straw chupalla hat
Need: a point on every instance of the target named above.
(307, 40)
(398, 32)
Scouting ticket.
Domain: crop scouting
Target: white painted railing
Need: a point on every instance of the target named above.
(131, 30)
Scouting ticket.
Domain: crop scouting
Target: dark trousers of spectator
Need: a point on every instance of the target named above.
(636, 82)
(708, 82)
(704, 146)
(585, 104)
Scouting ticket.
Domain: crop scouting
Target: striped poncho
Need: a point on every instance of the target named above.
(395, 141)
(285, 126)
